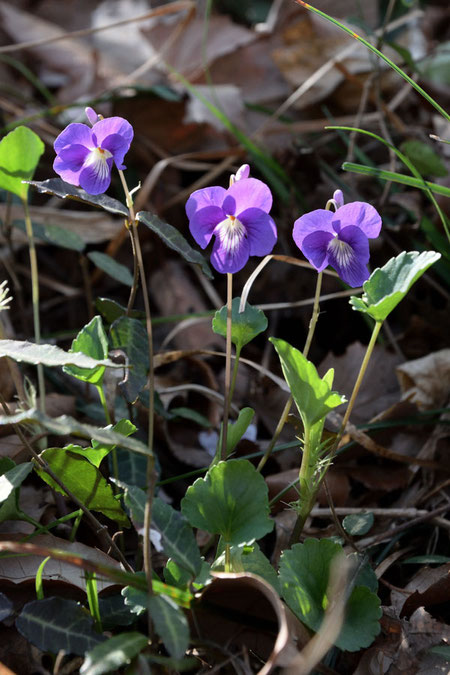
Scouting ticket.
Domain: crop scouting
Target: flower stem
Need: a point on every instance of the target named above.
(35, 300)
(228, 392)
(102, 397)
(150, 472)
(287, 407)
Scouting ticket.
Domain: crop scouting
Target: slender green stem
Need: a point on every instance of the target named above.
(102, 397)
(307, 496)
(150, 472)
(35, 300)
(235, 372)
(288, 405)
(226, 409)
(227, 558)
(134, 287)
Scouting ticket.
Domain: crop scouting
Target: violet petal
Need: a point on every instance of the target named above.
(261, 231)
(113, 125)
(320, 219)
(60, 167)
(75, 133)
(96, 176)
(361, 215)
(246, 194)
(229, 261)
(314, 247)
(203, 222)
(118, 146)
(210, 196)
(348, 254)
(73, 157)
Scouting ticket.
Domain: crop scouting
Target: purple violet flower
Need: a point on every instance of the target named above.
(339, 239)
(238, 218)
(85, 156)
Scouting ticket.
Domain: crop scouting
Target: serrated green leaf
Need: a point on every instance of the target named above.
(170, 623)
(130, 336)
(55, 624)
(231, 500)
(54, 234)
(312, 395)
(304, 577)
(114, 653)
(84, 480)
(174, 240)
(20, 151)
(67, 426)
(424, 158)
(246, 325)
(357, 524)
(57, 187)
(249, 559)
(92, 341)
(50, 355)
(111, 267)
(388, 285)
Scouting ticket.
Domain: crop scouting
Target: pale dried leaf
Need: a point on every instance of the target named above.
(426, 381)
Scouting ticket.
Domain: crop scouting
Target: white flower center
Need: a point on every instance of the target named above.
(231, 232)
(342, 251)
(97, 159)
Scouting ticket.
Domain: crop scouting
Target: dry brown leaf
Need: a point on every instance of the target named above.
(67, 63)
(429, 587)
(22, 569)
(426, 381)
(243, 612)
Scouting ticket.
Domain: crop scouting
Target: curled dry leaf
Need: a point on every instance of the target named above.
(426, 381)
(22, 569)
(429, 587)
(244, 612)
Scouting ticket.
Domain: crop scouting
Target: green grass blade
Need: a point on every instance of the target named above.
(407, 162)
(376, 51)
(396, 178)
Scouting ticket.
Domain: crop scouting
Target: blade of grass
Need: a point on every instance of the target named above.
(376, 51)
(396, 178)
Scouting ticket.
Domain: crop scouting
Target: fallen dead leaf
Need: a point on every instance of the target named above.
(426, 381)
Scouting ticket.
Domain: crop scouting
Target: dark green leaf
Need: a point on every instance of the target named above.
(246, 325)
(54, 234)
(304, 577)
(53, 624)
(429, 559)
(131, 468)
(20, 151)
(112, 310)
(174, 240)
(250, 559)
(441, 650)
(13, 478)
(6, 607)
(130, 336)
(92, 341)
(181, 578)
(170, 624)
(388, 285)
(57, 187)
(114, 653)
(312, 395)
(114, 612)
(357, 524)
(111, 267)
(232, 500)
(98, 451)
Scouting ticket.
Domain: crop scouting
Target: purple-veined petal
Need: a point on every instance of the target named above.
(73, 157)
(230, 260)
(338, 197)
(315, 248)
(91, 115)
(203, 222)
(113, 125)
(96, 174)
(314, 221)
(200, 199)
(246, 194)
(348, 253)
(60, 167)
(261, 231)
(75, 133)
(361, 215)
(118, 147)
